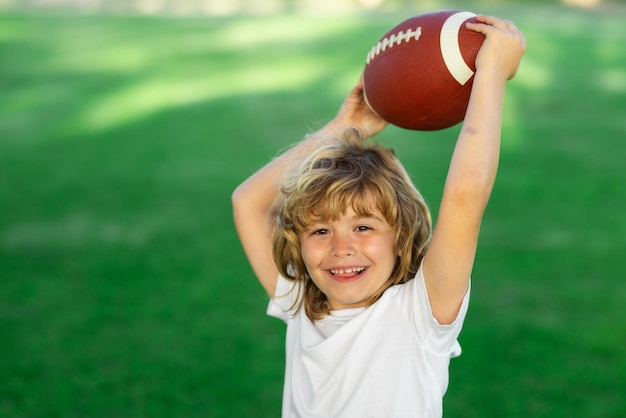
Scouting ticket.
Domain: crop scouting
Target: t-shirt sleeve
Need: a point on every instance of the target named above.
(283, 302)
(437, 337)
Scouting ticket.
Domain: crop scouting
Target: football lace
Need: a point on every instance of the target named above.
(394, 39)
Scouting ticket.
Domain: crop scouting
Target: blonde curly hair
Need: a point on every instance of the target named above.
(348, 173)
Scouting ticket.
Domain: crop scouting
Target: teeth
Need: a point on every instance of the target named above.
(347, 271)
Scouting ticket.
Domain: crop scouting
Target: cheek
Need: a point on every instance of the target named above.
(386, 250)
(310, 252)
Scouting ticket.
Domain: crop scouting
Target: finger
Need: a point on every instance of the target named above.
(360, 83)
(487, 24)
(357, 91)
(511, 26)
(479, 27)
(490, 20)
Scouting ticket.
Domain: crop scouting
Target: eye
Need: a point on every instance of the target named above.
(363, 228)
(319, 231)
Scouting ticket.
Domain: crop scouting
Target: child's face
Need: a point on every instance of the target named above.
(350, 258)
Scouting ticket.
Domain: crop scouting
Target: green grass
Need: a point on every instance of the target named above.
(124, 292)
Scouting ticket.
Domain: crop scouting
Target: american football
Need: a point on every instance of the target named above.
(419, 75)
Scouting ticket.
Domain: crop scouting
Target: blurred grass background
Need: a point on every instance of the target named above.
(123, 130)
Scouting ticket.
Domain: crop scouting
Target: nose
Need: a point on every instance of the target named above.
(342, 246)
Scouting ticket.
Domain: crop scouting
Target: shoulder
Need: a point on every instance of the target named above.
(411, 290)
(413, 300)
(286, 299)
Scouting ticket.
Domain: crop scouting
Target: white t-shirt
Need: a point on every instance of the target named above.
(387, 360)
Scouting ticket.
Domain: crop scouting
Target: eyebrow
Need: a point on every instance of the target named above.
(372, 216)
(317, 219)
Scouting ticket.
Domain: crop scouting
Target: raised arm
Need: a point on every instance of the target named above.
(448, 263)
(253, 199)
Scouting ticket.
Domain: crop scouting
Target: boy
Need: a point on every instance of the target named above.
(340, 239)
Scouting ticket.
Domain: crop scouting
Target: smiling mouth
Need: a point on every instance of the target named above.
(344, 275)
(348, 271)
